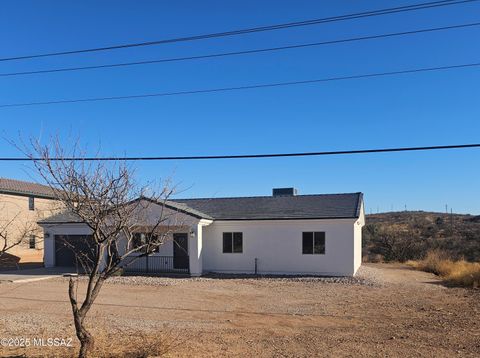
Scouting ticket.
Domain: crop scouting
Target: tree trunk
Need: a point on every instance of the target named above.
(85, 338)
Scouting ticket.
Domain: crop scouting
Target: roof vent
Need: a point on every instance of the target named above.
(284, 192)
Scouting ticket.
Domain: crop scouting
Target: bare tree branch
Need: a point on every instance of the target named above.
(106, 198)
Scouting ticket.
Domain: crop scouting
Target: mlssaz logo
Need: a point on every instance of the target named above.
(52, 342)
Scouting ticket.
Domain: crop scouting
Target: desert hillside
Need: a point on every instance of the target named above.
(409, 235)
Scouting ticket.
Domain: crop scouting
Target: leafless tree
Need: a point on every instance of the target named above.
(14, 231)
(106, 198)
(395, 244)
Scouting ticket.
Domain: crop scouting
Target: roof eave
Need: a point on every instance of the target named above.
(290, 218)
(27, 194)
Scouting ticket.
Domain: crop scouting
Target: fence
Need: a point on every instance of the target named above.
(157, 264)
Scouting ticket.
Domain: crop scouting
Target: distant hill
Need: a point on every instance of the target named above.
(406, 235)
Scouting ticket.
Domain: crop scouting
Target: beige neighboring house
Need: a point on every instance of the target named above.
(22, 205)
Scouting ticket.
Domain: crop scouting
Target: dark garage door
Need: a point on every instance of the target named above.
(67, 247)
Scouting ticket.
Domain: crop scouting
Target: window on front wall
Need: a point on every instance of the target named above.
(232, 242)
(140, 240)
(32, 244)
(313, 243)
(31, 203)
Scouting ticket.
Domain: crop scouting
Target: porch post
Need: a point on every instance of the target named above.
(195, 250)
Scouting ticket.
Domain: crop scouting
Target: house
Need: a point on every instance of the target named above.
(22, 204)
(284, 233)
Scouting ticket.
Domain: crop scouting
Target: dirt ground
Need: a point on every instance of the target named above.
(397, 312)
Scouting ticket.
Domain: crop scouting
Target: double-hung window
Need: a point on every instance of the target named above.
(32, 242)
(313, 243)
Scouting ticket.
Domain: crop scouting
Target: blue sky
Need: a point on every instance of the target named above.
(411, 110)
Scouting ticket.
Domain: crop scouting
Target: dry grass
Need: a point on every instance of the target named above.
(459, 273)
(119, 343)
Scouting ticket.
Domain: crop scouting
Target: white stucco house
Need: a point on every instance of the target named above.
(284, 233)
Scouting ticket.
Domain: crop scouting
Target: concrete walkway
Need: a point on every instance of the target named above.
(36, 274)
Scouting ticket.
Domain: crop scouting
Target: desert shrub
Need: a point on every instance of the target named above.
(374, 258)
(395, 245)
(459, 273)
(436, 262)
(130, 344)
(464, 273)
(388, 234)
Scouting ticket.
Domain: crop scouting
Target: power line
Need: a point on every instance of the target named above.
(252, 156)
(380, 12)
(246, 52)
(247, 87)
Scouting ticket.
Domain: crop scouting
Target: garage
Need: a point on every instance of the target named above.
(67, 247)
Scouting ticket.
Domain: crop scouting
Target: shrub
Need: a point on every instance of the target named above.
(460, 273)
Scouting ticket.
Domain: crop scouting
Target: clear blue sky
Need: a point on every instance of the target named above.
(411, 110)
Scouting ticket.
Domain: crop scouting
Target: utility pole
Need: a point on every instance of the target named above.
(451, 221)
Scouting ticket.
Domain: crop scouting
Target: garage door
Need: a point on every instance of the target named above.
(67, 247)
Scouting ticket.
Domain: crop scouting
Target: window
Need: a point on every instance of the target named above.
(313, 243)
(32, 242)
(31, 203)
(140, 240)
(232, 242)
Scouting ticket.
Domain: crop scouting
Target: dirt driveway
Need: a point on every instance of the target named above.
(390, 311)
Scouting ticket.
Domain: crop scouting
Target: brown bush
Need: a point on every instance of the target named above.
(374, 258)
(459, 273)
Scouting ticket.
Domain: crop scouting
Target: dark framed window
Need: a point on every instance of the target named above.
(31, 203)
(32, 242)
(141, 240)
(232, 242)
(313, 243)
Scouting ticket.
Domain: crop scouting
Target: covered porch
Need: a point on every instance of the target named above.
(181, 253)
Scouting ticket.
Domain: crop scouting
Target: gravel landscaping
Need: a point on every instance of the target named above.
(365, 276)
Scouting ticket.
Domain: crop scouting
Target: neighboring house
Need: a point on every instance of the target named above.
(22, 204)
(280, 234)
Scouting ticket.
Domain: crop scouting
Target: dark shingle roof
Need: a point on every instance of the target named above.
(187, 209)
(323, 206)
(67, 217)
(18, 187)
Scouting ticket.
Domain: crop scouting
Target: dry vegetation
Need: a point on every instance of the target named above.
(410, 235)
(443, 244)
(114, 344)
(459, 273)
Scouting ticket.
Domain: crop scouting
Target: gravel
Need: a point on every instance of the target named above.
(366, 276)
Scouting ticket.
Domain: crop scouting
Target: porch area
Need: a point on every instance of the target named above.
(156, 264)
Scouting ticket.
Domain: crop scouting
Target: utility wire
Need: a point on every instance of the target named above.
(251, 156)
(246, 52)
(380, 12)
(238, 88)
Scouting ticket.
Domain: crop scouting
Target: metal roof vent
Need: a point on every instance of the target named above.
(284, 192)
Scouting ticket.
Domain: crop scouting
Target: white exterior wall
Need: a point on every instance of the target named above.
(195, 255)
(357, 229)
(278, 247)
